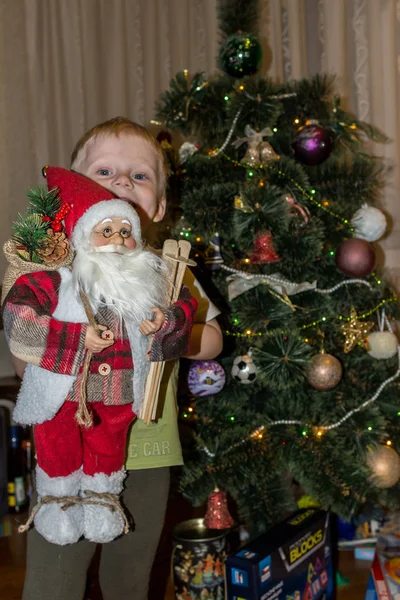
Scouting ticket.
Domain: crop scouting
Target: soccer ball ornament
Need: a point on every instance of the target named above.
(384, 463)
(244, 369)
(382, 344)
(324, 372)
(369, 223)
(206, 378)
(312, 144)
(240, 55)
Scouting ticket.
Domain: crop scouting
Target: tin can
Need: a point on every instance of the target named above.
(198, 561)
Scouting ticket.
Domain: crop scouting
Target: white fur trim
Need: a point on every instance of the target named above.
(54, 524)
(43, 392)
(100, 482)
(99, 211)
(58, 486)
(101, 525)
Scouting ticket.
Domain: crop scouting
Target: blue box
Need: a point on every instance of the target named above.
(292, 561)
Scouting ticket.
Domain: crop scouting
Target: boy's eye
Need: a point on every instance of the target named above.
(139, 176)
(104, 172)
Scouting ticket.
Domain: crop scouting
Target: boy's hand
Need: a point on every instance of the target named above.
(148, 326)
(94, 342)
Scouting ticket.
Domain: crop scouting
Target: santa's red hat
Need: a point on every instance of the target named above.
(89, 203)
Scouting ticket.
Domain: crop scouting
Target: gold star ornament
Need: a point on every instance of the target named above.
(355, 331)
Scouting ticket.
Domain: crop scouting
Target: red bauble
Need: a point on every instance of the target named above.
(264, 251)
(164, 136)
(217, 515)
(312, 144)
(355, 257)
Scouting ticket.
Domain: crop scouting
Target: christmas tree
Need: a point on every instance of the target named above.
(278, 194)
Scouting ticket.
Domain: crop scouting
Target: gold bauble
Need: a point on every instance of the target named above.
(384, 463)
(324, 372)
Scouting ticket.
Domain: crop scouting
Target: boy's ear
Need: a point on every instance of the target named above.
(162, 205)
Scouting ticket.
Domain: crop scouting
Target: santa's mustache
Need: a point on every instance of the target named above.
(113, 249)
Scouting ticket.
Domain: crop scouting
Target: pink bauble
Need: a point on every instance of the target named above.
(355, 257)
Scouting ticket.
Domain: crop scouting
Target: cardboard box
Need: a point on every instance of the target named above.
(292, 561)
(384, 579)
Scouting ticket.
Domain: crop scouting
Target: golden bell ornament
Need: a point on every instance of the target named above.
(267, 153)
(384, 463)
(324, 372)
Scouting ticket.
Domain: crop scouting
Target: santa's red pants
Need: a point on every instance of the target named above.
(63, 446)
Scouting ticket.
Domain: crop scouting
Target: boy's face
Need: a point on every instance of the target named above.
(113, 231)
(127, 166)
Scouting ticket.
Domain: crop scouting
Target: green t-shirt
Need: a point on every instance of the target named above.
(157, 444)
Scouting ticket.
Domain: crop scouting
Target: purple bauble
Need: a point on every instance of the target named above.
(312, 144)
(206, 378)
(355, 257)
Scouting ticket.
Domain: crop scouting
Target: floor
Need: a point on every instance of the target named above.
(12, 564)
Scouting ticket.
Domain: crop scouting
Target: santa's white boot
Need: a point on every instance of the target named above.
(102, 524)
(54, 524)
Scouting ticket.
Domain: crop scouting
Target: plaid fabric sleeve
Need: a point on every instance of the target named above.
(33, 334)
(173, 339)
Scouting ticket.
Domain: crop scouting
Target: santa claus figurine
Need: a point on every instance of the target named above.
(47, 321)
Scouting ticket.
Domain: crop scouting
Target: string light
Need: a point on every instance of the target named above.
(272, 333)
(389, 443)
(303, 192)
(320, 428)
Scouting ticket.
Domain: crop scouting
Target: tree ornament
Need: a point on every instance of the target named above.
(212, 254)
(244, 369)
(355, 257)
(382, 344)
(312, 144)
(324, 372)
(264, 251)
(297, 208)
(240, 55)
(217, 515)
(369, 223)
(242, 205)
(258, 152)
(355, 331)
(164, 136)
(206, 377)
(186, 151)
(384, 463)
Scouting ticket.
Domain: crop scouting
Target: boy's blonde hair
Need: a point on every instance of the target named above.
(118, 126)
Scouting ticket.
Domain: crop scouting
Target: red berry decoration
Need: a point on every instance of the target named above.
(57, 227)
(355, 257)
(312, 144)
(46, 220)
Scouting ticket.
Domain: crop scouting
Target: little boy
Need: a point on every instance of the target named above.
(114, 284)
(124, 158)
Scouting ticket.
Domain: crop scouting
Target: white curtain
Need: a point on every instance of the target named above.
(66, 65)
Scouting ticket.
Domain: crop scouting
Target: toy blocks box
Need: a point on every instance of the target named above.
(292, 561)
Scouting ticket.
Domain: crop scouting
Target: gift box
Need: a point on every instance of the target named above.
(384, 579)
(292, 561)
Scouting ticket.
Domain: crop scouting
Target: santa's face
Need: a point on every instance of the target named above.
(114, 232)
(127, 166)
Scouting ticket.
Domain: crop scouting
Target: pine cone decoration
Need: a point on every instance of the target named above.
(55, 248)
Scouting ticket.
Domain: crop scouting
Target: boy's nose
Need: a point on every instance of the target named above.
(124, 181)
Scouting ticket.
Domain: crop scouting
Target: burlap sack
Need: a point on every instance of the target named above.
(17, 266)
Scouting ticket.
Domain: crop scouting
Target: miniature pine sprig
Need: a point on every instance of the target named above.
(42, 202)
(29, 233)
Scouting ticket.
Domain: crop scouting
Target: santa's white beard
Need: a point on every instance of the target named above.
(131, 284)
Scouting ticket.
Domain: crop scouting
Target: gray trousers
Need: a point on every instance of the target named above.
(59, 572)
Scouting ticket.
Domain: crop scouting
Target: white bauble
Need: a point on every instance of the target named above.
(243, 369)
(369, 223)
(382, 344)
(186, 151)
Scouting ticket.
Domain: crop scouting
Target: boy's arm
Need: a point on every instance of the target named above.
(206, 341)
(33, 335)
